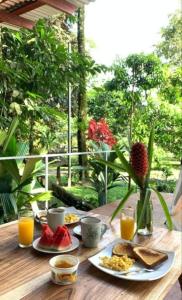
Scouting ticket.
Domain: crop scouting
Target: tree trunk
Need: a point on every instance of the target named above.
(31, 137)
(69, 199)
(82, 100)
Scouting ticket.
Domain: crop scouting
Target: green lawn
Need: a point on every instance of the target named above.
(89, 194)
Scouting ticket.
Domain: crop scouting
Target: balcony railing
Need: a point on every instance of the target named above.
(68, 155)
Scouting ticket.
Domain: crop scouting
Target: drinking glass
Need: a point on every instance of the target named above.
(127, 223)
(25, 228)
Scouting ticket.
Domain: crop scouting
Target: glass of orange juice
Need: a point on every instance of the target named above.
(127, 223)
(25, 228)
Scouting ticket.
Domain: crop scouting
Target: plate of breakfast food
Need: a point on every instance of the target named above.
(72, 216)
(132, 261)
(59, 241)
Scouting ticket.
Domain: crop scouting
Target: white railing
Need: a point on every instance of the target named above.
(46, 157)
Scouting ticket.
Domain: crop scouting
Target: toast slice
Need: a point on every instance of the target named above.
(149, 257)
(121, 249)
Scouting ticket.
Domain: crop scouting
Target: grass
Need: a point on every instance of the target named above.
(90, 195)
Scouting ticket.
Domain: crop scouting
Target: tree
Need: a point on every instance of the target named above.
(82, 99)
(170, 50)
(134, 79)
(136, 76)
(35, 68)
(170, 46)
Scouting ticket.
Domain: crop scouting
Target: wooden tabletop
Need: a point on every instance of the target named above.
(25, 273)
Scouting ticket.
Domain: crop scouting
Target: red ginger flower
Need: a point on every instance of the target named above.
(100, 132)
(139, 159)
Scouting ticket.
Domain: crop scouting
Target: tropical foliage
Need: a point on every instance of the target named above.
(17, 177)
(101, 141)
(139, 168)
(36, 69)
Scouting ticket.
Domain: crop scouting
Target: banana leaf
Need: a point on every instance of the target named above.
(114, 166)
(122, 202)
(25, 198)
(23, 184)
(11, 167)
(29, 168)
(165, 209)
(8, 202)
(10, 133)
(45, 196)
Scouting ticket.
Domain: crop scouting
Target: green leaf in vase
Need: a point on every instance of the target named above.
(165, 209)
(122, 202)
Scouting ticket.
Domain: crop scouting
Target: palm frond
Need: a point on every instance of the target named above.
(10, 133)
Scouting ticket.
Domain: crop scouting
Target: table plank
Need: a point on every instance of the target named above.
(102, 285)
(25, 273)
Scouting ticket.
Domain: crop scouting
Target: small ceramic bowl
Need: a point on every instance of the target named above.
(64, 269)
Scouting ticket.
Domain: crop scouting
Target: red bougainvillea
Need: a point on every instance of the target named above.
(139, 159)
(100, 132)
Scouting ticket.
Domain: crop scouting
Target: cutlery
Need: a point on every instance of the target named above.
(133, 271)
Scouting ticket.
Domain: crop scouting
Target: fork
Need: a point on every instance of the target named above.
(134, 271)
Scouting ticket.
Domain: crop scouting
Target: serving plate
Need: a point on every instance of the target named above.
(73, 246)
(41, 216)
(77, 230)
(158, 272)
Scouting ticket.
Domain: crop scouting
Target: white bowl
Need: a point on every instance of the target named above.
(64, 276)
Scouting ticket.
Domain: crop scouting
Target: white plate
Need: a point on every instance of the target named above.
(68, 210)
(73, 246)
(77, 230)
(158, 272)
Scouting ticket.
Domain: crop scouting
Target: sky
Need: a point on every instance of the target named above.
(122, 27)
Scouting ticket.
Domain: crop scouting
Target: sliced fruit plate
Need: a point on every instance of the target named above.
(58, 241)
(74, 245)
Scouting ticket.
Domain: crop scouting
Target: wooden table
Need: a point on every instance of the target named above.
(25, 274)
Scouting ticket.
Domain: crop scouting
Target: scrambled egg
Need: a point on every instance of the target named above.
(117, 263)
(71, 218)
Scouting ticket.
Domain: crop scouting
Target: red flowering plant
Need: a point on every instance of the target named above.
(100, 133)
(138, 168)
(101, 141)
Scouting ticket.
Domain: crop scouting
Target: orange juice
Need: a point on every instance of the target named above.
(127, 226)
(26, 231)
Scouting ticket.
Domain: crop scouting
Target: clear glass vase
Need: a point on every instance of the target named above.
(144, 217)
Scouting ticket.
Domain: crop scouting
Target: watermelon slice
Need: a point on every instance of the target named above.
(46, 239)
(61, 238)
